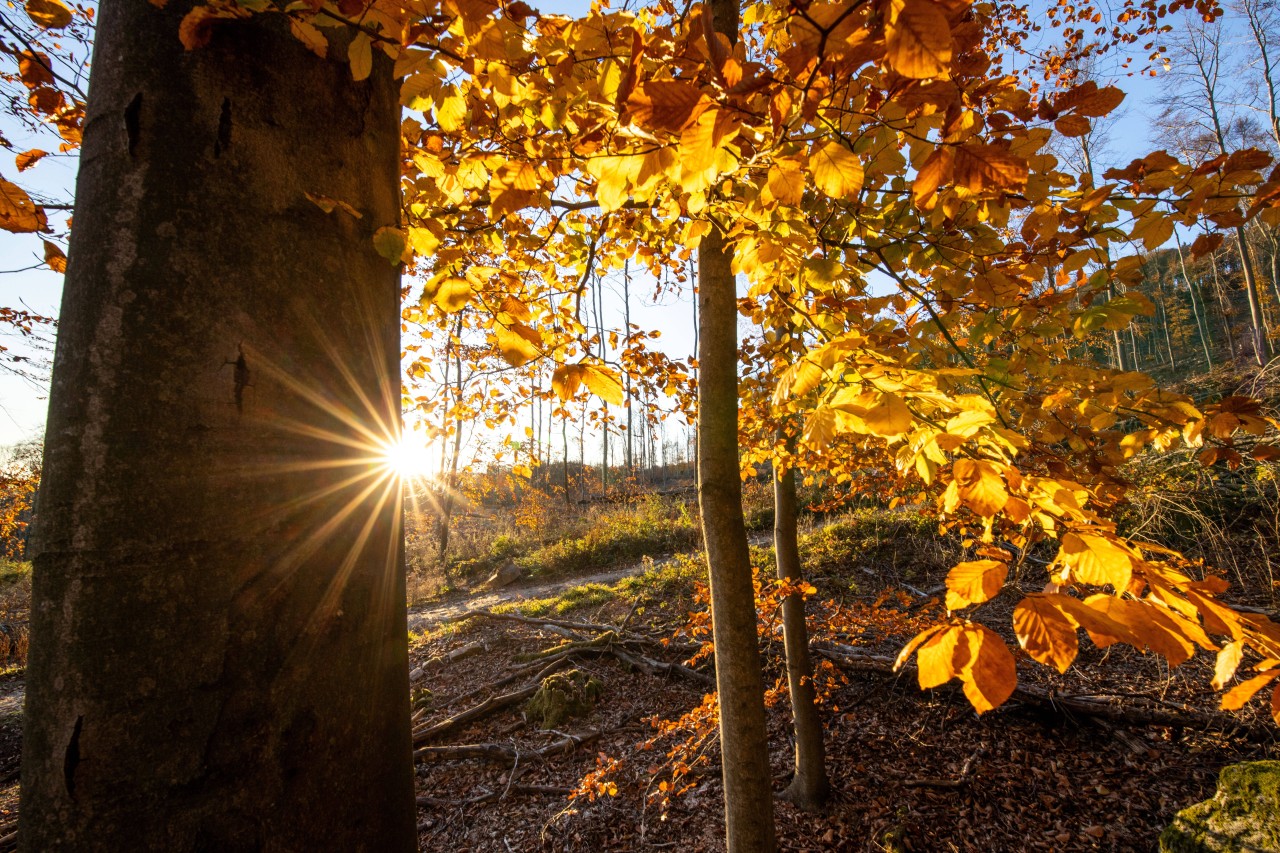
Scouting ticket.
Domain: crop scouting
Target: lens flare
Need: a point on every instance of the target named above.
(407, 458)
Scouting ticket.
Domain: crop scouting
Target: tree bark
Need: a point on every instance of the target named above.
(809, 786)
(218, 640)
(744, 742)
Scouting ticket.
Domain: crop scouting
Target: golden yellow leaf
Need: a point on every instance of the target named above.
(820, 427)
(918, 39)
(360, 55)
(974, 582)
(1096, 560)
(990, 674)
(1047, 634)
(604, 383)
(1228, 662)
(889, 417)
(453, 294)
(1150, 625)
(836, 170)
(515, 344)
(516, 309)
(942, 657)
(786, 182)
(49, 14)
(18, 213)
(310, 36)
(565, 380)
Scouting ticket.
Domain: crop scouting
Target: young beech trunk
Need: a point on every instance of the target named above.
(809, 786)
(744, 742)
(218, 641)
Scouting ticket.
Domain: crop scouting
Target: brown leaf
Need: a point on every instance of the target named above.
(980, 167)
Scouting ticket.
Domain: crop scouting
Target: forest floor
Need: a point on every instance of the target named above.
(910, 770)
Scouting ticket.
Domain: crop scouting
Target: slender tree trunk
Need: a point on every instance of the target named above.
(1224, 307)
(1202, 322)
(218, 656)
(626, 320)
(809, 786)
(448, 499)
(743, 737)
(1261, 345)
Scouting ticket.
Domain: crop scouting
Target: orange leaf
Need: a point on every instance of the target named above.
(49, 14)
(979, 485)
(1234, 699)
(974, 582)
(1047, 634)
(918, 39)
(932, 174)
(27, 159)
(990, 674)
(910, 647)
(669, 105)
(980, 167)
(942, 657)
(54, 256)
(565, 380)
(18, 213)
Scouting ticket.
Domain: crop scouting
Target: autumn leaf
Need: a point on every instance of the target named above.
(1096, 560)
(518, 343)
(1234, 699)
(1229, 657)
(1072, 125)
(889, 417)
(18, 213)
(49, 14)
(1046, 633)
(990, 674)
(453, 294)
(54, 257)
(918, 39)
(670, 105)
(603, 382)
(360, 56)
(974, 582)
(329, 205)
(980, 167)
(391, 243)
(565, 381)
(933, 173)
(836, 170)
(310, 36)
(941, 657)
(978, 484)
(27, 159)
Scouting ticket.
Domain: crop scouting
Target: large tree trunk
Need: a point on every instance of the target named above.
(743, 738)
(218, 653)
(809, 786)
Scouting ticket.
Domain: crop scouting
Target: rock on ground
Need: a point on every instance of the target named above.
(1242, 817)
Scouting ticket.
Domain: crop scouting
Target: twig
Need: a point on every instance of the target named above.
(501, 752)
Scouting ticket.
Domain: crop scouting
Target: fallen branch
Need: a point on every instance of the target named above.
(501, 752)
(493, 703)
(649, 666)
(848, 657)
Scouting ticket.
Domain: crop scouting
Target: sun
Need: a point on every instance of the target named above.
(407, 458)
